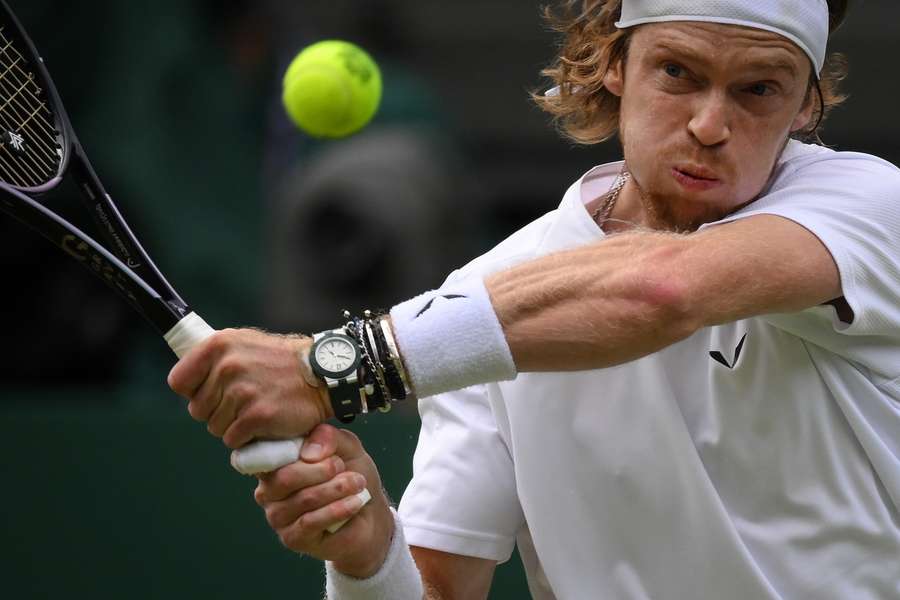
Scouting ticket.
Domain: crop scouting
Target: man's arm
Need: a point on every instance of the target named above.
(635, 293)
(453, 577)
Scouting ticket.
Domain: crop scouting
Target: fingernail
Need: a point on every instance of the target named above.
(311, 451)
(339, 465)
(359, 481)
(354, 503)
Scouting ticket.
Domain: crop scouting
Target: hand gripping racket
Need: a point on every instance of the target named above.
(38, 149)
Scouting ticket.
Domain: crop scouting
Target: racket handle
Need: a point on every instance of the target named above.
(187, 333)
(256, 457)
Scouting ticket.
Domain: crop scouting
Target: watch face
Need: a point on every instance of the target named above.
(336, 354)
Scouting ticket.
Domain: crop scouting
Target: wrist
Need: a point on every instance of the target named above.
(323, 400)
(372, 560)
(451, 338)
(398, 578)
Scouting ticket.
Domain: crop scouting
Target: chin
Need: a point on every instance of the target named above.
(686, 212)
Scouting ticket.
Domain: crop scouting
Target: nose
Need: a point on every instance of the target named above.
(710, 122)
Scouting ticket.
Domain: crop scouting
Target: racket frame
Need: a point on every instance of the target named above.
(124, 265)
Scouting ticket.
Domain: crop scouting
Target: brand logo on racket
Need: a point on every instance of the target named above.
(123, 249)
(14, 141)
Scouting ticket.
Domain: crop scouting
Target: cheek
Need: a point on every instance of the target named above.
(649, 128)
(755, 152)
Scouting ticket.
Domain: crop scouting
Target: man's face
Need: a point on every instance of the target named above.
(706, 111)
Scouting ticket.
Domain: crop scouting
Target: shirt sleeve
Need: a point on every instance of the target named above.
(851, 203)
(462, 498)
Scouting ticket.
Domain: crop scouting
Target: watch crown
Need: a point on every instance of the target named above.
(346, 314)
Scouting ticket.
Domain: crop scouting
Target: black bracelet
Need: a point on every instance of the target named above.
(381, 380)
(367, 342)
(375, 389)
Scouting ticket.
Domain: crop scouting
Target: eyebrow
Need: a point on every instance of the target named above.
(691, 54)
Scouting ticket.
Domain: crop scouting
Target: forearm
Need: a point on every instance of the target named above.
(633, 294)
(610, 302)
(594, 306)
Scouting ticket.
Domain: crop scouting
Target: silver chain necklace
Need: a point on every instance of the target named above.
(602, 213)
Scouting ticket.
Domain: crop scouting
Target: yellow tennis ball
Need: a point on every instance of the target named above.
(332, 89)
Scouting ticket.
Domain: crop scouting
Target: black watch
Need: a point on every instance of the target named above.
(334, 358)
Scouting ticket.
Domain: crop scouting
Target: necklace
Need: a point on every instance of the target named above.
(602, 213)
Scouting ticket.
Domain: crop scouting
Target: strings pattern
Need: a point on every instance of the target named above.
(30, 152)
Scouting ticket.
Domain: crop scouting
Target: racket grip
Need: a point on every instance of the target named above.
(256, 457)
(187, 333)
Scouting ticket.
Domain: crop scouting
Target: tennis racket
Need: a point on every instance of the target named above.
(38, 150)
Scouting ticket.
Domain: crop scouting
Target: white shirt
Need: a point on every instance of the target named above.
(770, 471)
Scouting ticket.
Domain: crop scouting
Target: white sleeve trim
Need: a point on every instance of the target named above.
(459, 542)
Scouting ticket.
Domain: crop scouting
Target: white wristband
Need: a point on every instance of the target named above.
(451, 338)
(397, 579)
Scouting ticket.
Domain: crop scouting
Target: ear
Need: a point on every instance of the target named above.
(614, 80)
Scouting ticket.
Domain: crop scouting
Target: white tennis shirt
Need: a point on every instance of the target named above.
(754, 460)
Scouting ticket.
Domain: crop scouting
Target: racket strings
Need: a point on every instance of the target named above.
(18, 113)
(21, 83)
(30, 152)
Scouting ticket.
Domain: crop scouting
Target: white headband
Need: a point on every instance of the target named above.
(804, 22)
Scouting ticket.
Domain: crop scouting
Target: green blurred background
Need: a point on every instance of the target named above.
(110, 490)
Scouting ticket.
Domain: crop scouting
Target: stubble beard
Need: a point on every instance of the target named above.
(682, 215)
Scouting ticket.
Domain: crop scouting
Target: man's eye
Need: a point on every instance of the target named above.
(673, 70)
(760, 89)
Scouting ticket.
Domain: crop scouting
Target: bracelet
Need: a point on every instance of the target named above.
(380, 394)
(383, 367)
(380, 377)
(393, 353)
(391, 377)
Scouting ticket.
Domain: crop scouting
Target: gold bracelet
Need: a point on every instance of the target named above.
(384, 323)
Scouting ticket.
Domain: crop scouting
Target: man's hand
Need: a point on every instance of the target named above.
(251, 385)
(303, 499)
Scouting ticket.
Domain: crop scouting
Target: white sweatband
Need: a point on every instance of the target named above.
(397, 579)
(804, 22)
(451, 338)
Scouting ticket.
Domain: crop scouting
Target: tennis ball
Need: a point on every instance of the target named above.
(332, 89)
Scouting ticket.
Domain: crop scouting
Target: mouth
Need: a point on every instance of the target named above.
(695, 178)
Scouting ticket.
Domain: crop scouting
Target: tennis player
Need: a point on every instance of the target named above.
(682, 383)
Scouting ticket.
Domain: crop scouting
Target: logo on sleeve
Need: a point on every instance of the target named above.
(717, 356)
(431, 302)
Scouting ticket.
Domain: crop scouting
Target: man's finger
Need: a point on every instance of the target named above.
(348, 445)
(312, 525)
(321, 441)
(282, 513)
(283, 482)
(190, 372)
(206, 398)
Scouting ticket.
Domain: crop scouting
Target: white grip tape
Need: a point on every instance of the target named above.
(266, 456)
(257, 457)
(187, 333)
